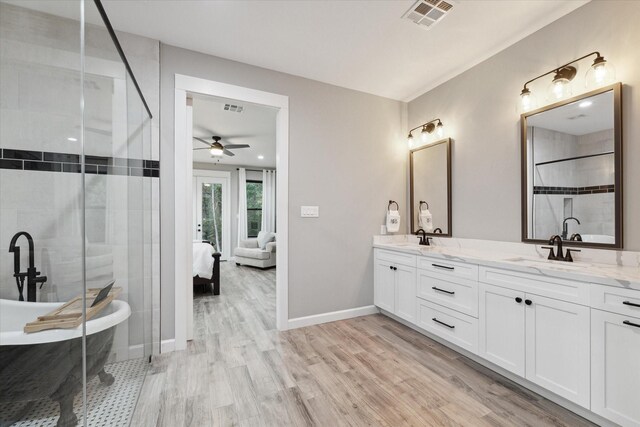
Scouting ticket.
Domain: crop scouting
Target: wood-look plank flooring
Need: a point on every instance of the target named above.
(368, 371)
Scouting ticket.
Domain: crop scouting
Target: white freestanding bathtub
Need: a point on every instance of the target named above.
(49, 363)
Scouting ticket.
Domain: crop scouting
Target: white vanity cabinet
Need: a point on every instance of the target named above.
(542, 339)
(502, 327)
(395, 283)
(615, 355)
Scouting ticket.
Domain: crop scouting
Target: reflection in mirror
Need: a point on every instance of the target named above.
(572, 175)
(431, 188)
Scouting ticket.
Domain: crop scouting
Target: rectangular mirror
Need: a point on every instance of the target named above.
(430, 188)
(572, 170)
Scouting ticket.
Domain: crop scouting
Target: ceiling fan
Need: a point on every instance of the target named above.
(217, 149)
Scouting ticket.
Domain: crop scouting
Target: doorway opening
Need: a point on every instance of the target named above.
(235, 200)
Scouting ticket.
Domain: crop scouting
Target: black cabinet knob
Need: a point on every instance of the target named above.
(518, 300)
(391, 267)
(528, 301)
(395, 268)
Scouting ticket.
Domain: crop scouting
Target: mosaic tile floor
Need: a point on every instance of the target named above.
(107, 405)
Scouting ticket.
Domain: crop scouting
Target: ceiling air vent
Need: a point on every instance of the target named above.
(427, 13)
(233, 108)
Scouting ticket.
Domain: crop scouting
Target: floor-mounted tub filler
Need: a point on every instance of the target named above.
(49, 363)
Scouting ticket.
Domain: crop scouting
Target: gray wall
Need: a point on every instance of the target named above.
(479, 108)
(346, 155)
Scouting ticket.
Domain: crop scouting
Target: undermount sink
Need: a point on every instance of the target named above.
(406, 245)
(540, 263)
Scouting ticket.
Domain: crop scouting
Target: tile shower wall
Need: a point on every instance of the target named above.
(40, 111)
(583, 188)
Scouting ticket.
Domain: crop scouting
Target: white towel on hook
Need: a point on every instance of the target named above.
(425, 220)
(393, 221)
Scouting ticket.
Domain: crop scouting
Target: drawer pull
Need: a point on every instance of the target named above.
(442, 290)
(626, 322)
(446, 267)
(632, 304)
(452, 327)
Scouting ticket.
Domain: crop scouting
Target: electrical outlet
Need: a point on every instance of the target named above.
(309, 211)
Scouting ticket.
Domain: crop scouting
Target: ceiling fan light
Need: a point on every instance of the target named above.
(216, 151)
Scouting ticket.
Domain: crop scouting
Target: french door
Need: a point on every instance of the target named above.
(212, 210)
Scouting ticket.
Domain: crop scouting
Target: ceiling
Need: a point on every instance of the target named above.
(255, 125)
(578, 120)
(361, 45)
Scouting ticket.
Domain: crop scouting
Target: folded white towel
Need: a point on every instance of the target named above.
(202, 260)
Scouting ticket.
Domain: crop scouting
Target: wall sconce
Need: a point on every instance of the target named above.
(600, 73)
(428, 128)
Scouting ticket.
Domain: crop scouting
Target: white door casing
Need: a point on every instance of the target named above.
(183, 191)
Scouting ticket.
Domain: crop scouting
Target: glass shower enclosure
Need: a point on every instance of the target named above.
(79, 210)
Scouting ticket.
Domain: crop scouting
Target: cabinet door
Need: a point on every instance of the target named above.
(502, 330)
(557, 343)
(406, 293)
(384, 286)
(615, 367)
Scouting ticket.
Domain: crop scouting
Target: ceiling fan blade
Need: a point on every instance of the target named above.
(233, 146)
(228, 153)
(202, 140)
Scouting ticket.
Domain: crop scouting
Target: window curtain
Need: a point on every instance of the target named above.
(268, 201)
(242, 205)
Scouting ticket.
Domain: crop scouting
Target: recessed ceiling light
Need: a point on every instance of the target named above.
(585, 104)
(71, 139)
(260, 157)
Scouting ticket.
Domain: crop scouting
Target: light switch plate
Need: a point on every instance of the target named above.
(309, 211)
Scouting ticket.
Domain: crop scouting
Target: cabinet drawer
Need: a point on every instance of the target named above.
(616, 300)
(457, 328)
(395, 257)
(451, 268)
(452, 292)
(537, 284)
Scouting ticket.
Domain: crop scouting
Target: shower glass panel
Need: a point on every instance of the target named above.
(79, 175)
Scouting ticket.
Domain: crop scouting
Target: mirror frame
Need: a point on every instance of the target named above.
(617, 147)
(446, 141)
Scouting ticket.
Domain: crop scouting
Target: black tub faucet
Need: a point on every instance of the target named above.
(565, 230)
(32, 274)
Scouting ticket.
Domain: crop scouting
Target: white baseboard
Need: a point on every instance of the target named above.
(167, 346)
(300, 322)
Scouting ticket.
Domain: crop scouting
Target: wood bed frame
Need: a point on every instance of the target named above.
(215, 277)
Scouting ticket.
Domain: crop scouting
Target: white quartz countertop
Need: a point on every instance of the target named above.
(605, 274)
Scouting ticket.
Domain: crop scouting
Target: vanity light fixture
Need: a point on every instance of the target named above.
(427, 129)
(600, 73)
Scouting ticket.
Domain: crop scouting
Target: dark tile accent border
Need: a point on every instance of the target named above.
(70, 163)
(10, 164)
(574, 191)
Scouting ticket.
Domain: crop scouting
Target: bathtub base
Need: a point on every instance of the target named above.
(54, 370)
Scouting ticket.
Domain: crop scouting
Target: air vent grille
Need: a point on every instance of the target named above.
(233, 108)
(427, 13)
